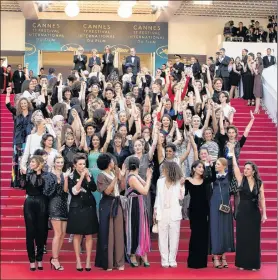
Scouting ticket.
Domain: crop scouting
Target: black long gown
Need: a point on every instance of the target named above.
(199, 225)
(248, 85)
(248, 228)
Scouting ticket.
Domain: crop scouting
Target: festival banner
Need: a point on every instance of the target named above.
(64, 35)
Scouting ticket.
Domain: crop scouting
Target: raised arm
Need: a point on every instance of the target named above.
(154, 144)
(108, 137)
(8, 101)
(249, 126)
(137, 119)
(237, 173)
(207, 118)
(214, 120)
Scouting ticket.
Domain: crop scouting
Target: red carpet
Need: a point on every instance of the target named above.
(260, 148)
(21, 271)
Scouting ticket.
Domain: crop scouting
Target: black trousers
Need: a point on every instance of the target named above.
(226, 84)
(35, 216)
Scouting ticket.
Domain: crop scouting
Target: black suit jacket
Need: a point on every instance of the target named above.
(268, 63)
(80, 64)
(196, 70)
(18, 81)
(135, 65)
(178, 68)
(223, 67)
(272, 37)
(93, 62)
(108, 64)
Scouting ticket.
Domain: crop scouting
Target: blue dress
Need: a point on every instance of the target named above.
(221, 224)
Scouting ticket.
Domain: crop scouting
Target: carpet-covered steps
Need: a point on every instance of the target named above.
(12, 221)
(20, 244)
(19, 232)
(263, 134)
(153, 257)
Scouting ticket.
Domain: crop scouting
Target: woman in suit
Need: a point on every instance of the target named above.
(82, 217)
(94, 60)
(167, 211)
(107, 61)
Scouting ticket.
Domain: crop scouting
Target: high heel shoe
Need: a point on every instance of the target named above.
(249, 103)
(133, 264)
(33, 268)
(60, 268)
(80, 269)
(216, 263)
(224, 262)
(253, 103)
(146, 263)
(88, 268)
(40, 267)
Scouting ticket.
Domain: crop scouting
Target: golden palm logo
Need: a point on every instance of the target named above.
(162, 51)
(71, 47)
(30, 49)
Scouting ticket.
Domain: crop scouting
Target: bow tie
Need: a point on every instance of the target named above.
(221, 176)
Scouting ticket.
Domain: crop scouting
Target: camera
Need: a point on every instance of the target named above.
(252, 23)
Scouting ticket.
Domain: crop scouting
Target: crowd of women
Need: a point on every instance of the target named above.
(128, 160)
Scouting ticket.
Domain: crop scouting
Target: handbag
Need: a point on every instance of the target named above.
(223, 207)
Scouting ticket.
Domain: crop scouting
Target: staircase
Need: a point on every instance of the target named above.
(260, 147)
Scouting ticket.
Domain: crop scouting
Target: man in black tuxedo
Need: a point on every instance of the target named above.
(222, 61)
(80, 60)
(178, 67)
(269, 59)
(107, 61)
(133, 61)
(94, 60)
(18, 79)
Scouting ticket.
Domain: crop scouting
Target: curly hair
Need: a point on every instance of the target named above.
(18, 106)
(172, 171)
